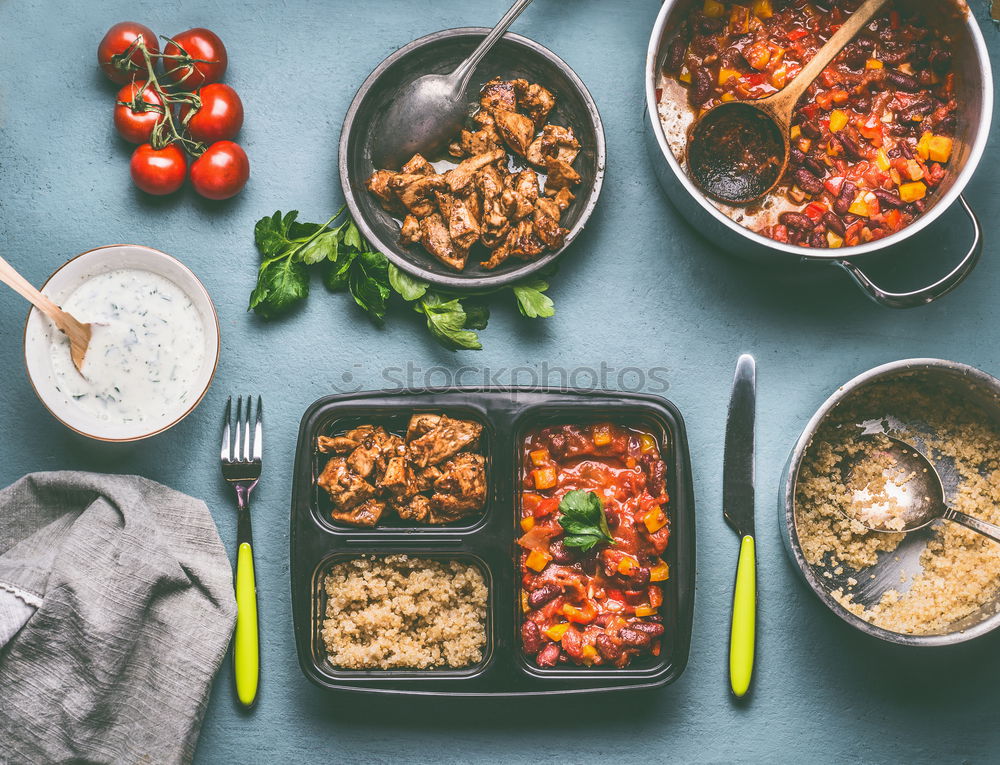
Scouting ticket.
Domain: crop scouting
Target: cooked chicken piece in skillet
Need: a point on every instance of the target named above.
(564, 197)
(460, 178)
(346, 488)
(368, 513)
(418, 165)
(379, 185)
(555, 141)
(418, 195)
(463, 221)
(515, 129)
(410, 231)
(535, 100)
(547, 226)
(560, 176)
(436, 240)
(497, 95)
(520, 195)
(523, 242)
(444, 440)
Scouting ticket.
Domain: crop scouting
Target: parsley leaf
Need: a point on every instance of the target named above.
(446, 319)
(530, 300)
(582, 517)
(408, 287)
(280, 285)
(369, 283)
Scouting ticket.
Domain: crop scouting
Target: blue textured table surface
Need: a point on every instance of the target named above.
(639, 289)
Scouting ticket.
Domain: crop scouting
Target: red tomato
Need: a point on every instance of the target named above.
(158, 171)
(118, 40)
(221, 172)
(201, 44)
(220, 116)
(132, 125)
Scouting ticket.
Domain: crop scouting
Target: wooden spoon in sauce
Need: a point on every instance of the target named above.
(739, 150)
(77, 332)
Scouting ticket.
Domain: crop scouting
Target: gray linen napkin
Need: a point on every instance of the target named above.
(116, 609)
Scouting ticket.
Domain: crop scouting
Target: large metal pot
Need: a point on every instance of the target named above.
(968, 384)
(975, 94)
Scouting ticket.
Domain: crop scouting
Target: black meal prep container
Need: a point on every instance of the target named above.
(487, 540)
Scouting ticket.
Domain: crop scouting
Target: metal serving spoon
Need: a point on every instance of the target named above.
(739, 150)
(429, 112)
(922, 497)
(77, 332)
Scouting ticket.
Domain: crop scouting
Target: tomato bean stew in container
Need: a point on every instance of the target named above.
(882, 144)
(492, 542)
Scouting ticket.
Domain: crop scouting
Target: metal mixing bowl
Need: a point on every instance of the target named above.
(975, 96)
(439, 53)
(968, 384)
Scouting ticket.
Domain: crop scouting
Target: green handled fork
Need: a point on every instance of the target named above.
(242, 451)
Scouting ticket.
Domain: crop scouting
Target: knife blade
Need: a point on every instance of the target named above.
(738, 511)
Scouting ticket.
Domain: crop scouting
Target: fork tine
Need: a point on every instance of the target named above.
(258, 432)
(245, 451)
(227, 443)
(238, 438)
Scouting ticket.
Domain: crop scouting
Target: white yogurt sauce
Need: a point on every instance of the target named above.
(146, 351)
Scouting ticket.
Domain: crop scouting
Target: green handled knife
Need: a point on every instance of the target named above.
(738, 510)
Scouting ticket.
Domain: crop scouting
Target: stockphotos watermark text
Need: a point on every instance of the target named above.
(629, 379)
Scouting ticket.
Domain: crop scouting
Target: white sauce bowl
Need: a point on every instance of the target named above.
(39, 333)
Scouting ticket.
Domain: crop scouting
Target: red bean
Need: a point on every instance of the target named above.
(561, 554)
(900, 80)
(808, 182)
(531, 638)
(834, 223)
(889, 198)
(816, 167)
(650, 629)
(845, 198)
(634, 637)
(548, 656)
(675, 55)
(607, 647)
(640, 576)
(796, 220)
(539, 597)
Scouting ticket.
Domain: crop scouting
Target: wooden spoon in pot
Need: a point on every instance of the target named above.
(77, 332)
(738, 151)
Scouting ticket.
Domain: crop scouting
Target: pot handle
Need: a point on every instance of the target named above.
(928, 294)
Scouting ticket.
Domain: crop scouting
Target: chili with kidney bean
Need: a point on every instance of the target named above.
(872, 137)
(599, 607)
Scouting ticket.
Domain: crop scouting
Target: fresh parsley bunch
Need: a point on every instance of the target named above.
(288, 248)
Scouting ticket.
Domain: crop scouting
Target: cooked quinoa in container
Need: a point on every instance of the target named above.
(401, 612)
(959, 570)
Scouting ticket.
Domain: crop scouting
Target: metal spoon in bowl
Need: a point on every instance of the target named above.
(739, 150)
(919, 497)
(426, 114)
(77, 332)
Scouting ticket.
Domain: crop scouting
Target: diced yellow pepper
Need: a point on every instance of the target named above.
(838, 120)
(882, 160)
(739, 20)
(834, 240)
(646, 442)
(762, 9)
(713, 9)
(645, 611)
(660, 572)
(685, 75)
(537, 560)
(873, 63)
(540, 457)
(726, 74)
(796, 132)
(655, 520)
(556, 631)
(911, 192)
(862, 204)
(524, 601)
(913, 170)
(727, 97)
(805, 144)
(545, 478)
(923, 145)
(589, 653)
(939, 148)
(527, 524)
(627, 565)
(602, 435)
